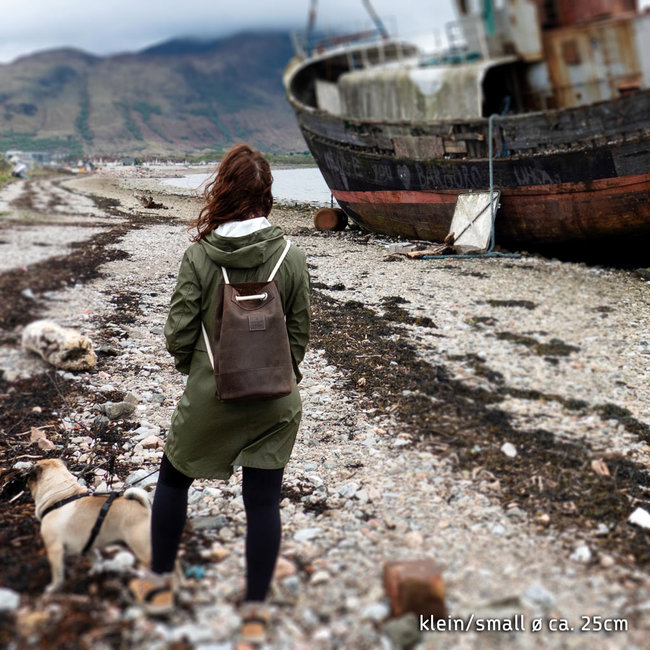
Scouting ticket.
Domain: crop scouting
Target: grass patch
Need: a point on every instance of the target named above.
(146, 112)
(290, 158)
(81, 122)
(130, 125)
(30, 142)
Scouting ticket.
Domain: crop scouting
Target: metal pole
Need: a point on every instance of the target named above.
(490, 251)
(491, 172)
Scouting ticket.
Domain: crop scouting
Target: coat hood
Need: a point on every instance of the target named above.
(245, 252)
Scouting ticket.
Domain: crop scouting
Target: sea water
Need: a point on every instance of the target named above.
(301, 185)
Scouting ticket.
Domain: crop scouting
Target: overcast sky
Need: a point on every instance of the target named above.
(112, 26)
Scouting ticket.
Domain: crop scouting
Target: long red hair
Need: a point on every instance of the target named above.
(240, 189)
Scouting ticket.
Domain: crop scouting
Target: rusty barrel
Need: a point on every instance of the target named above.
(330, 219)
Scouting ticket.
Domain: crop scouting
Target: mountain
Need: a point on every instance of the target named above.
(178, 98)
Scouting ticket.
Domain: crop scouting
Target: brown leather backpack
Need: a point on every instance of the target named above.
(250, 353)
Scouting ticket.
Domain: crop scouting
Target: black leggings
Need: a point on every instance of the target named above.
(261, 494)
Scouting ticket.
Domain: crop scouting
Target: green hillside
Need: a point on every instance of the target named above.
(183, 97)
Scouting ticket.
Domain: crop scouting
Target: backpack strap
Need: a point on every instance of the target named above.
(279, 264)
(208, 346)
(273, 272)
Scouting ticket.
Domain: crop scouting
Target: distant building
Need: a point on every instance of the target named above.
(41, 157)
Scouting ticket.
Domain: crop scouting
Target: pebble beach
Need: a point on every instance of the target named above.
(490, 414)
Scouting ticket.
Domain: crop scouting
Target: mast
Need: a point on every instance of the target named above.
(375, 19)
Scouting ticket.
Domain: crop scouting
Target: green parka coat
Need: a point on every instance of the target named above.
(208, 437)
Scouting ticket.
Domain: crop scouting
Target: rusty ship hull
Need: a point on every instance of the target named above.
(595, 194)
(573, 177)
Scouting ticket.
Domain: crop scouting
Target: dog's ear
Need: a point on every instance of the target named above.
(34, 473)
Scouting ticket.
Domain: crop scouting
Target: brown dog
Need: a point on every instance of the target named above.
(67, 529)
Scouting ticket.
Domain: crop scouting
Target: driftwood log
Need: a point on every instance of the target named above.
(148, 202)
(61, 347)
(330, 219)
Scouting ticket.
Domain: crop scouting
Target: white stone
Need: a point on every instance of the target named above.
(414, 539)
(121, 563)
(320, 577)
(640, 517)
(582, 554)
(509, 449)
(307, 534)
(9, 600)
(323, 634)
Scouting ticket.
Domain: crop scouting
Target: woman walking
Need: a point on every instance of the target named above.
(208, 437)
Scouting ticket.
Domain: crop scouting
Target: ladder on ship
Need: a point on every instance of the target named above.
(475, 224)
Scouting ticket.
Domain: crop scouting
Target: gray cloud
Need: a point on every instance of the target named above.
(108, 27)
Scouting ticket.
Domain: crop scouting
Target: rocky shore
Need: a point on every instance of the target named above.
(491, 414)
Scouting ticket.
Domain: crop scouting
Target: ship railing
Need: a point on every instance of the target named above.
(470, 32)
(361, 59)
(306, 47)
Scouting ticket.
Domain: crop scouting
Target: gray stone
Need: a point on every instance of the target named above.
(538, 595)
(143, 432)
(309, 618)
(348, 490)
(195, 496)
(516, 514)
(292, 584)
(315, 480)
(142, 478)
(117, 410)
(376, 612)
(403, 631)
(226, 534)
(101, 422)
(205, 523)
